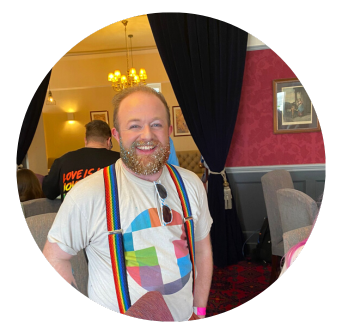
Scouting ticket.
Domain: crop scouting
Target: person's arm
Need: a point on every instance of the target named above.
(50, 183)
(173, 160)
(204, 266)
(60, 260)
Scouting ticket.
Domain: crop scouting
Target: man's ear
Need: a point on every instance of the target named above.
(116, 135)
(170, 130)
(109, 146)
(85, 142)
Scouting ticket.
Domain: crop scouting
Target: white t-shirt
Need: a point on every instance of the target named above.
(157, 257)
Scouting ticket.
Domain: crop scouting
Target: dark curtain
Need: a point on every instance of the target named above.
(204, 59)
(28, 129)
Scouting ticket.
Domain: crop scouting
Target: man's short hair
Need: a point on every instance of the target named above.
(118, 98)
(98, 131)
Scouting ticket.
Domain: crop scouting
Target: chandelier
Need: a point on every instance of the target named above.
(120, 82)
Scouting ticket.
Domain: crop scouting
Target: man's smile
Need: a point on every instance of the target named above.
(146, 148)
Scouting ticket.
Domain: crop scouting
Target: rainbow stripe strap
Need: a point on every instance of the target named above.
(188, 220)
(115, 239)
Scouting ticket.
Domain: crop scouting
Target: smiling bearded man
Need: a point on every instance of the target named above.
(137, 209)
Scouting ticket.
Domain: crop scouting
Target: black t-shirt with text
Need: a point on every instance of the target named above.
(74, 166)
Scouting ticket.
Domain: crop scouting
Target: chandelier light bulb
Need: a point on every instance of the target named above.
(110, 77)
(142, 74)
(132, 72)
(136, 79)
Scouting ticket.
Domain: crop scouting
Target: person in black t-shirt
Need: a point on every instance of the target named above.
(74, 166)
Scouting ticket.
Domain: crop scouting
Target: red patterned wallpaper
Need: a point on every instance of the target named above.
(254, 143)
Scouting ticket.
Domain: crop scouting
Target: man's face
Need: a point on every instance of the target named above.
(143, 133)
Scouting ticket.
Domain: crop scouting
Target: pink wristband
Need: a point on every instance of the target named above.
(200, 310)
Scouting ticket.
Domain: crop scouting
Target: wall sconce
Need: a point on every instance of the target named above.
(71, 116)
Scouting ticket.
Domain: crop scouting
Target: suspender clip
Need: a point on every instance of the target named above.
(115, 232)
(187, 218)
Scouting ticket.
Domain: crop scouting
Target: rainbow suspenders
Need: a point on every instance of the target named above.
(115, 236)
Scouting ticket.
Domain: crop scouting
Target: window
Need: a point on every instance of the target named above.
(155, 86)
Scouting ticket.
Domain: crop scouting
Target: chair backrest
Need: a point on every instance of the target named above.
(271, 182)
(40, 206)
(190, 160)
(293, 237)
(151, 306)
(296, 209)
(39, 226)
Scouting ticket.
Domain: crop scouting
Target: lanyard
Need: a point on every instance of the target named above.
(115, 236)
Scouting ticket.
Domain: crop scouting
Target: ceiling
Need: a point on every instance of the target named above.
(112, 38)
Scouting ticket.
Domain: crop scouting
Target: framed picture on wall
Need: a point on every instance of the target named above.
(293, 111)
(179, 125)
(101, 115)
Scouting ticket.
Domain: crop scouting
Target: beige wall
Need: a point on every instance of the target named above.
(79, 85)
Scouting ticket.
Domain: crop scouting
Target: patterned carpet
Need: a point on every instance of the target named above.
(236, 284)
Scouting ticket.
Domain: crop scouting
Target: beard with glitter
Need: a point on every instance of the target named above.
(145, 164)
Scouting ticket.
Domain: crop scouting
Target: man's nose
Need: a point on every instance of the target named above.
(146, 133)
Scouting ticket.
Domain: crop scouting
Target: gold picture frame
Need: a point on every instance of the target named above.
(180, 127)
(293, 111)
(101, 115)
